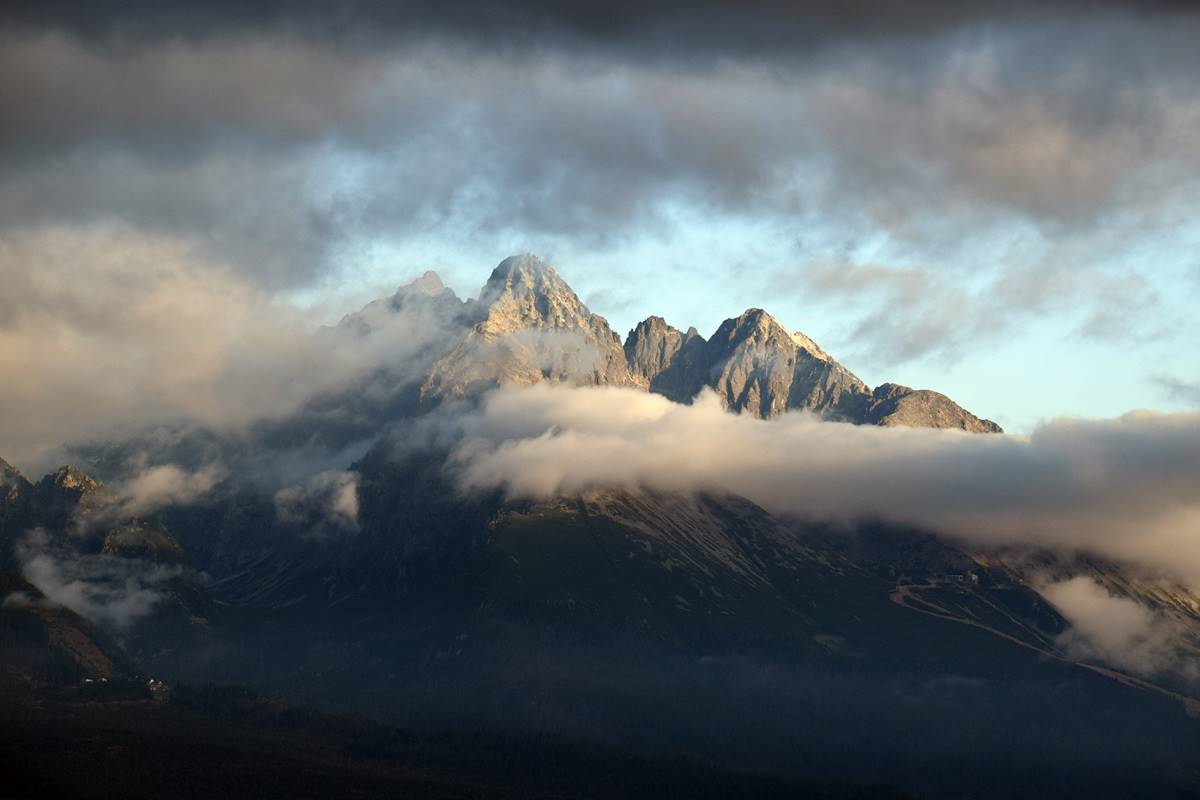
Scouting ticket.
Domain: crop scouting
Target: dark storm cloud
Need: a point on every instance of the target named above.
(717, 24)
(271, 150)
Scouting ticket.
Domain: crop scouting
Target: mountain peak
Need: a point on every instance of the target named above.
(531, 327)
(525, 276)
(427, 297)
(526, 292)
(753, 325)
(8, 471)
(526, 268)
(759, 366)
(665, 361)
(754, 316)
(650, 324)
(430, 283)
(754, 322)
(892, 404)
(71, 477)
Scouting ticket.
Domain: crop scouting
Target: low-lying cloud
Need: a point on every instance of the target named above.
(325, 507)
(1124, 488)
(102, 588)
(1117, 630)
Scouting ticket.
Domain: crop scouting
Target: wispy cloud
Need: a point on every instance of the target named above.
(326, 507)
(1178, 391)
(106, 589)
(1118, 630)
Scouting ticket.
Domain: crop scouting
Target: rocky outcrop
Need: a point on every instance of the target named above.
(666, 361)
(68, 498)
(892, 405)
(531, 327)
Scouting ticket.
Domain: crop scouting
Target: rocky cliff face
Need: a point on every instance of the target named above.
(756, 366)
(16, 496)
(531, 327)
(665, 360)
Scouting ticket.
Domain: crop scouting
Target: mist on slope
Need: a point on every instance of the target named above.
(1117, 630)
(100, 587)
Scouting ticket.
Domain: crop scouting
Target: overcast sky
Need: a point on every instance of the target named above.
(992, 200)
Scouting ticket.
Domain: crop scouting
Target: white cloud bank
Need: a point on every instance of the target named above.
(1125, 488)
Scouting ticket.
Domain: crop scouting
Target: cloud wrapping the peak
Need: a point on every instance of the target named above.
(107, 333)
(1124, 488)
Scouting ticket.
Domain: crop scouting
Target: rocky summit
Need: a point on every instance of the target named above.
(531, 327)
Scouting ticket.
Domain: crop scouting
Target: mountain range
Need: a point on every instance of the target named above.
(663, 623)
(528, 326)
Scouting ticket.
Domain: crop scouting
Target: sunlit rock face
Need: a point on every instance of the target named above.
(892, 405)
(758, 367)
(530, 327)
